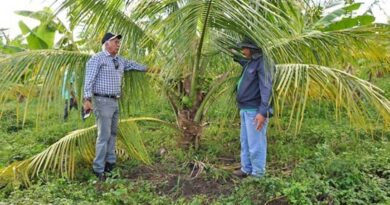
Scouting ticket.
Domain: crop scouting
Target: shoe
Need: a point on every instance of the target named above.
(109, 167)
(241, 174)
(100, 176)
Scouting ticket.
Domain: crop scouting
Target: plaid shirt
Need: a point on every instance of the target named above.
(104, 74)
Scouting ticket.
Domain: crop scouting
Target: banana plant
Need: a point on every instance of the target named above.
(187, 45)
(42, 36)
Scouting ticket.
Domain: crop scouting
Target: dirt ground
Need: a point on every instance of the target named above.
(176, 184)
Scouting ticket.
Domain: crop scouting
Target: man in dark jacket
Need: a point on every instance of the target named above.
(254, 90)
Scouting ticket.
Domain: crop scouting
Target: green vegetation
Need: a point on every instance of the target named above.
(329, 141)
(326, 163)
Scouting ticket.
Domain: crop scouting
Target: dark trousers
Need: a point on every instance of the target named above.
(69, 104)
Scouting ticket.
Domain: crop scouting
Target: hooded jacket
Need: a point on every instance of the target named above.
(254, 89)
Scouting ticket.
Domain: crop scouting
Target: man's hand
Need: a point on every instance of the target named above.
(87, 105)
(260, 119)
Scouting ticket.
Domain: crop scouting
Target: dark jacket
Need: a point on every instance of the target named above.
(254, 88)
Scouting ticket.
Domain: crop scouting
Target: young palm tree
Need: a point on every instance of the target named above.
(188, 43)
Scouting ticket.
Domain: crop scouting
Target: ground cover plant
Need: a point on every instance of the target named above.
(178, 141)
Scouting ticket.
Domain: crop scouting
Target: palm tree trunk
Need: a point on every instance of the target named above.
(191, 130)
(190, 126)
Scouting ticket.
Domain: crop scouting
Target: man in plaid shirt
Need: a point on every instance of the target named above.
(102, 86)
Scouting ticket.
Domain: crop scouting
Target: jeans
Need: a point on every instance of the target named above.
(106, 112)
(253, 144)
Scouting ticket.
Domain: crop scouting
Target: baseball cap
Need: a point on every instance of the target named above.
(109, 36)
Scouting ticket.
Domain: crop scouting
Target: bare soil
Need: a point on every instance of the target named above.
(178, 184)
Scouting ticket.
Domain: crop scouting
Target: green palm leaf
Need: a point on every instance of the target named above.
(323, 47)
(41, 73)
(42, 69)
(184, 34)
(77, 146)
(295, 84)
(102, 16)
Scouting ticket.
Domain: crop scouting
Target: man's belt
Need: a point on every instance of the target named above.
(106, 96)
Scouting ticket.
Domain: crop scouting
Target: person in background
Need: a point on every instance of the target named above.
(102, 89)
(69, 93)
(254, 90)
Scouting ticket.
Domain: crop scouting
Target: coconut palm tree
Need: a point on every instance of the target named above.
(188, 45)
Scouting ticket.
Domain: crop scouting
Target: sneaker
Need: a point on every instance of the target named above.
(100, 176)
(109, 167)
(240, 174)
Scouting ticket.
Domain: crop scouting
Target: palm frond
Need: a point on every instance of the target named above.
(20, 94)
(298, 40)
(221, 99)
(295, 84)
(323, 47)
(137, 90)
(42, 69)
(40, 76)
(211, 95)
(189, 23)
(315, 43)
(58, 158)
(79, 145)
(102, 16)
(206, 18)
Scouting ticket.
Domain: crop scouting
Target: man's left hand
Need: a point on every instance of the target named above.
(260, 119)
